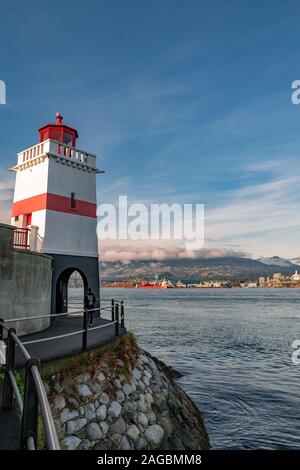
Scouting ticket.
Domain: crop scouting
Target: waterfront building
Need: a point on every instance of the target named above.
(252, 285)
(167, 284)
(248, 285)
(295, 277)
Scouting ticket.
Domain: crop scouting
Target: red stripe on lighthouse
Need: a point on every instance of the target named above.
(53, 202)
(29, 205)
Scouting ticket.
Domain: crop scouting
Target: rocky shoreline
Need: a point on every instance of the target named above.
(124, 399)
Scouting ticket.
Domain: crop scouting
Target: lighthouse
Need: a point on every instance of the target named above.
(55, 203)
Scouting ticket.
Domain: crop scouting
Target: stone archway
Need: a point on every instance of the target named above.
(62, 268)
(62, 288)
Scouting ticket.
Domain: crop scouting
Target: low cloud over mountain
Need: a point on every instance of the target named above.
(207, 265)
(151, 253)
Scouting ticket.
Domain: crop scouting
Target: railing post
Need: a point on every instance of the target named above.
(122, 315)
(29, 426)
(112, 310)
(117, 324)
(85, 328)
(33, 237)
(1, 328)
(7, 400)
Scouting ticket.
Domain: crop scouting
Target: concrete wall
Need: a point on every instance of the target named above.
(25, 284)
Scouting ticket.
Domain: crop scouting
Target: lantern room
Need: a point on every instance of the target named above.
(59, 132)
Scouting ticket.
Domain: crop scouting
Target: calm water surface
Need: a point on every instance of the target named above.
(234, 348)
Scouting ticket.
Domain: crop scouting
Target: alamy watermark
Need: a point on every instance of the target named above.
(2, 92)
(296, 352)
(295, 98)
(152, 222)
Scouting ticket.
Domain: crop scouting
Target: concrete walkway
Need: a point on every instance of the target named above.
(62, 347)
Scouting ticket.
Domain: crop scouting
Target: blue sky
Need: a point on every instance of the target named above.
(182, 102)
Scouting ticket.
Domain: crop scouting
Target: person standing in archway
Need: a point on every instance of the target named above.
(89, 304)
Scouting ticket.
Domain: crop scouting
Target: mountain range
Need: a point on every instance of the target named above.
(226, 268)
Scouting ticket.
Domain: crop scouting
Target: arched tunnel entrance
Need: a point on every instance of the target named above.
(63, 269)
(71, 287)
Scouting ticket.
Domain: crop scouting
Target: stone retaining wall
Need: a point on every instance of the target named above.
(107, 409)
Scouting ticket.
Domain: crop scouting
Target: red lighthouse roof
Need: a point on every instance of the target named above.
(59, 132)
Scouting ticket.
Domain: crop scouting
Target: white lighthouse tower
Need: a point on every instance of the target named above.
(55, 197)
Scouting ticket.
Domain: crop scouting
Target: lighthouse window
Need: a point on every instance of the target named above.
(73, 200)
(68, 138)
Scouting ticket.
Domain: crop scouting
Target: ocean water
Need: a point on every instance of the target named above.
(234, 348)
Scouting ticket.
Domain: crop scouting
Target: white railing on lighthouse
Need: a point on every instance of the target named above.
(57, 149)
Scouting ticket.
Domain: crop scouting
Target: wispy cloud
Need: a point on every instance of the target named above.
(202, 116)
(261, 217)
(255, 218)
(129, 253)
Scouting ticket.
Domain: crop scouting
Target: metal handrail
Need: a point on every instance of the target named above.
(51, 315)
(20, 344)
(30, 443)
(33, 382)
(102, 326)
(42, 400)
(50, 431)
(51, 338)
(10, 320)
(23, 350)
(42, 340)
(16, 391)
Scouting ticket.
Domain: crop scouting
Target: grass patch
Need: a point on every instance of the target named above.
(18, 377)
(106, 357)
(41, 438)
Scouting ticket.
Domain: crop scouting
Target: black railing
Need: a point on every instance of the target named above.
(117, 319)
(116, 309)
(21, 238)
(35, 396)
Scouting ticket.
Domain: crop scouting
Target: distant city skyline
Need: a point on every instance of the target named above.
(186, 105)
